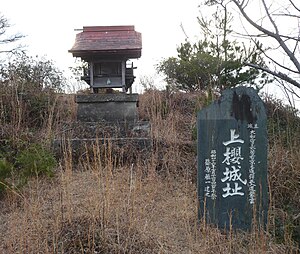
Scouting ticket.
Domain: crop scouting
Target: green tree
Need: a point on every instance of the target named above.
(214, 62)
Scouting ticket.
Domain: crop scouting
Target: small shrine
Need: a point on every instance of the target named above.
(107, 115)
(106, 50)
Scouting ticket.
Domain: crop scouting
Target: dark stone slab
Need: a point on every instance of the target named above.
(232, 160)
(113, 108)
(113, 97)
(103, 129)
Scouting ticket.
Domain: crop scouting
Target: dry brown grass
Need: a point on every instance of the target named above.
(115, 211)
(147, 206)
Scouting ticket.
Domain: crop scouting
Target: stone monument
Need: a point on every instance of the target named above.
(232, 160)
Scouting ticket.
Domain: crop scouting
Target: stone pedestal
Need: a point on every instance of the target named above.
(112, 108)
(105, 120)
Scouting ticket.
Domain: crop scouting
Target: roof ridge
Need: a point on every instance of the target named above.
(107, 28)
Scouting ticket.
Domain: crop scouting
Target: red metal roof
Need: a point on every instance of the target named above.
(99, 41)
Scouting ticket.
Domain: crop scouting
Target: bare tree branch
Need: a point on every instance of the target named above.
(280, 65)
(292, 3)
(296, 45)
(270, 17)
(276, 74)
(275, 36)
(11, 39)
(287, 15)
(8, 39)
(288, 90)
(296, 39)
(264, 51)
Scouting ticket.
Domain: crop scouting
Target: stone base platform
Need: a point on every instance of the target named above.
(115, 107)
(106, 124)
(83, 140)
(116, 150)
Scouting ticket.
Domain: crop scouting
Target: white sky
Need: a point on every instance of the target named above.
(49, 25)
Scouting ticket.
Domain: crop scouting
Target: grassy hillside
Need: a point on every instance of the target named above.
(145, 206)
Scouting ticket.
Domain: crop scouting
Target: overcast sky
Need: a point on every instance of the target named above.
(49, 25)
